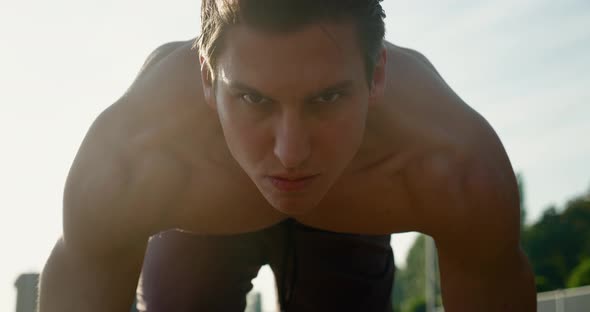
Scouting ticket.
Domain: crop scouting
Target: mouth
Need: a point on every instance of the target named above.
(292, 183)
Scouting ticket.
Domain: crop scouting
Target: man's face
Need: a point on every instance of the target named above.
(292, 107)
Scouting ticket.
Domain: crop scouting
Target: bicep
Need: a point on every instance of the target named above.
(92, 215)
(482, 265)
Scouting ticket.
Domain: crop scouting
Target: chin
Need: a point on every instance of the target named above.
(292, 211)
(293, 207)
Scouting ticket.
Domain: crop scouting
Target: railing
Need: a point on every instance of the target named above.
(564, 300)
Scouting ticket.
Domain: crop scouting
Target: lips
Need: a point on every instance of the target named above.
(291, 183)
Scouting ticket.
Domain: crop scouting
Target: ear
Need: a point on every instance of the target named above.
(208, 83)
(379, 77)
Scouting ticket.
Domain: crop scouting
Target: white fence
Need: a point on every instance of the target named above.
(566, 300)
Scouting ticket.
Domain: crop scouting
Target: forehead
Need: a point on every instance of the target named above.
(313, 55)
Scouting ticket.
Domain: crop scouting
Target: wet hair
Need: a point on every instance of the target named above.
(217, 16)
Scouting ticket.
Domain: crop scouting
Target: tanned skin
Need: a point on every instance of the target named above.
(166, 156)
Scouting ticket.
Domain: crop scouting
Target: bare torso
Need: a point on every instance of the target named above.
(164, 113)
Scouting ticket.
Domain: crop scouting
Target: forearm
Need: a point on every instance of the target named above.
(501, 286)
(71, 282)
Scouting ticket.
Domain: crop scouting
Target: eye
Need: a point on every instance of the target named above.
(253, 98)
(329, 97)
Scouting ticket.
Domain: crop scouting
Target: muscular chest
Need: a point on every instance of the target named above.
(220, 200)
(371, 201)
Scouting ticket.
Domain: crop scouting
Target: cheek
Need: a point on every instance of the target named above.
(246, 141)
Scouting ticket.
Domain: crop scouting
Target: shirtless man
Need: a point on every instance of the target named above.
(301, 140)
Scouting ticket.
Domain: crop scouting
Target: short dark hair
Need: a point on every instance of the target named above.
(288, 15)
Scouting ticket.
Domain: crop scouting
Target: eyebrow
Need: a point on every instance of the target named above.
(236, 85)
(339, 86)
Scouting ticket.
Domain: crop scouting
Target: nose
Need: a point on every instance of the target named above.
(292, 141)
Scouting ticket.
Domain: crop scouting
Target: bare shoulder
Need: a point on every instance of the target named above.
(121, 176)
(161, 52)
(423, 106)
(429, 117)
(179, 57)
(176, 50)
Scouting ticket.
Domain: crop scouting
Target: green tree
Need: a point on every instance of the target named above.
(580, 275)
(410, 281)
(543, 242)
(558, 243)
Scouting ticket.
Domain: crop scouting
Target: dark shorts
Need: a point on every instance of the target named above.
(314, 270)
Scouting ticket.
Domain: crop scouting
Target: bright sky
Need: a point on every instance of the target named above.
(524, 65)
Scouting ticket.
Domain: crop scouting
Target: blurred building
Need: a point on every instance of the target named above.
(254, 302)
(26, 298)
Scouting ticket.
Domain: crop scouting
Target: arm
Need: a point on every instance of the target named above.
(74, 280)
(111, 207)
(464, 195)
(482, 266)
(95, 265)
(504, 283)
(472, 213)
(113, 202)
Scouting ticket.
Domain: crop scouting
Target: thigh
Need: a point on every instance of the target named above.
(186, 272)
(327, 271)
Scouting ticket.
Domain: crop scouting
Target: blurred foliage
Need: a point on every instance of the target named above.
(558, 247)
(558, 244)
(416, 304)
(580, 275)
(410, 281)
